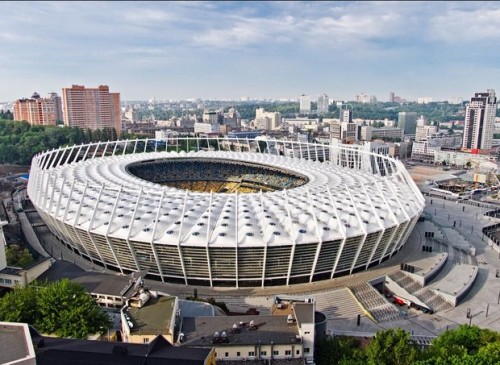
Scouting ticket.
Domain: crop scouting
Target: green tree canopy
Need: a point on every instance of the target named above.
(17, 256)
(392, 347)
(62, 308)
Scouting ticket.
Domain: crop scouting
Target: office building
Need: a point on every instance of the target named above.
(323, 102)
(37, 110)
(480, 121)
(407, 121)
(93, 108)
(305, 104)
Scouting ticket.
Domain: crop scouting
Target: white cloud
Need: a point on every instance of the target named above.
(459, 26)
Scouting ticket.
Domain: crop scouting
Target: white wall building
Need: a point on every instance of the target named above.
(305, 104)
(323, 102)
(207, 128)
(424, 132)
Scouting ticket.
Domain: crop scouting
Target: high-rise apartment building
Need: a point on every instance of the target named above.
(480, 121)
(57, 106)
(407, 121)
(305, 104)
(323, 102)
(391, 97)
(37, 110)
(346, 113)
(94, 108)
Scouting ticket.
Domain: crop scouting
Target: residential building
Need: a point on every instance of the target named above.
(455, 100)
(287, 335)
(305, 104)
(132, 115)
(22, 344)
(232, 118)
(274, 118)
(424, 132)
(146, 315)
(480, 121)
(367, 133)
(421, 121)
(93, 108)
(391, 97)
(463, 159)
(57, 106)
(407, 121)
(400, 150)
(323, 102)
(423, 151)
(212, 117)
(424, 100)
(344, 131)
(207, 128)
(365, 98)
(37, 110)
(346, 114)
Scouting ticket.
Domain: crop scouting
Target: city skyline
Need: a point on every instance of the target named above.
(230, 50)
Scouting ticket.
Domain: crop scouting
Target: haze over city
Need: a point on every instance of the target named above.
(259, 50)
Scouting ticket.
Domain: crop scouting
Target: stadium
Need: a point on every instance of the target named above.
(226, 212)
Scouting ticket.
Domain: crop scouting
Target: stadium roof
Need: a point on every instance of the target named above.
(336, 202)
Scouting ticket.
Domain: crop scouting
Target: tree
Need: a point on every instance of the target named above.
(19, 305)
(392, 347)
(17, 256)
(461, 343)
(339, 350)
(62, 308)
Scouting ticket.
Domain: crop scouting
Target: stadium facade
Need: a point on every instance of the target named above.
(254, 213)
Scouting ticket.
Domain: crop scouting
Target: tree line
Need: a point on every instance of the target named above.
(20, 141)
(465, 345)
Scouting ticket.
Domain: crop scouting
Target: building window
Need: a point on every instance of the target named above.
(276, 353)
(238, 353)
(307, 332)
(306, 350)
(288, 352)
(263, 353)
(8, 281)
(251, 353)
(145, 340)
(226, 354)
(298, 352)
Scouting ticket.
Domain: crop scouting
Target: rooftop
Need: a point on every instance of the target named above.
(93, 282)
(199, 331)
(63, 351)
(304, 312)
(154, 317)
(15, 343)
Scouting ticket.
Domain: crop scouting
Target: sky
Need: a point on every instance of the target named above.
(229, 50)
